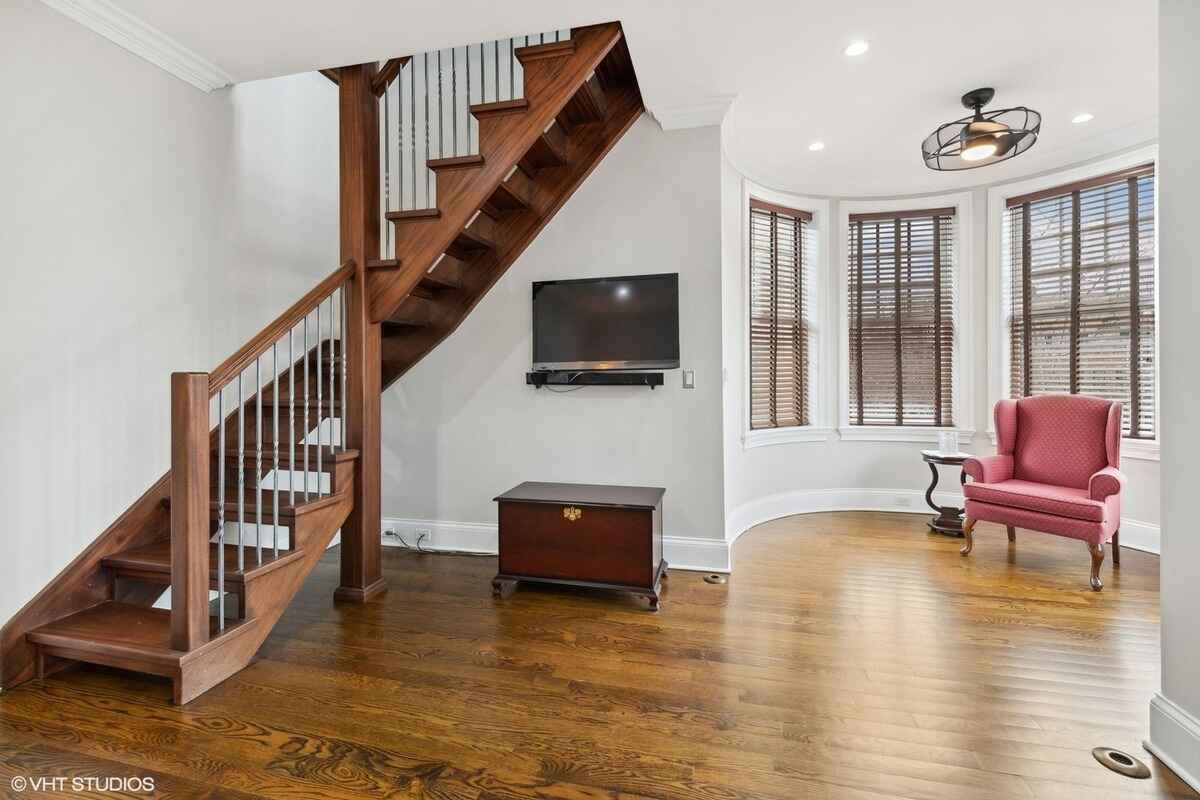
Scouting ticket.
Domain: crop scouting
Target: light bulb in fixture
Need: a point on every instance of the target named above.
(978, 151)
(1079, 119)
(857, 48)
(816, 146)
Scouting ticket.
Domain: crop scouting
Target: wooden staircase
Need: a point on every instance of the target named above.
(581, 95)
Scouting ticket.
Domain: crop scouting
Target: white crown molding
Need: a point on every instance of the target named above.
(681, 552)
(1175, 739)
(692, 115)
(130, 33)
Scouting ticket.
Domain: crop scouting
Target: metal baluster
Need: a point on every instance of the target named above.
(332, 378)
(292, 416)
(387, 178)
(470, 139)
(221, 509)
(425, 89)
(441, 114)
(304, 438)
(541, 38)
(345, 405)
(454, 96)
(258, 427)
(400, 140)
(512, 66)
(320, 410)
(412, 121)
(275, 453)
(241, 503)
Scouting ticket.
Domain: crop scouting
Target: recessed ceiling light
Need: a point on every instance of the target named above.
(857, 47)
(1079, 119)
(815, 146)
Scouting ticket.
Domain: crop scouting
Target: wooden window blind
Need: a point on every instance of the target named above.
(901, 298)
(1080, 259)
(780, 249)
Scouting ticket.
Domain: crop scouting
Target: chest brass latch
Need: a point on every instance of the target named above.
(571, 513)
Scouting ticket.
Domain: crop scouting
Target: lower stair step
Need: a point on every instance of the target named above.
(138, 638)
(153, 562)
(119, 635)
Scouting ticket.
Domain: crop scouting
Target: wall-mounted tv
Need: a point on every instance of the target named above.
(606, 323)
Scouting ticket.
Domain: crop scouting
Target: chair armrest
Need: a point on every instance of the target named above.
(989, 469)
(1107, 481)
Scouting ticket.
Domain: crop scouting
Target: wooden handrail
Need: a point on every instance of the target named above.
(245, 356)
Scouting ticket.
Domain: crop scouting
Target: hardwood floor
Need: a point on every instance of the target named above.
(850, 656)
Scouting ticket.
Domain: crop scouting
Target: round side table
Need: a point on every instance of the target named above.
(949, 519)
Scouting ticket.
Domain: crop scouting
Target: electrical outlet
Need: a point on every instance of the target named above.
(424, 536)
(689, 379)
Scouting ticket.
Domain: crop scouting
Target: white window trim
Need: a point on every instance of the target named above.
(820, 427)
(962, 387)
(998, 310)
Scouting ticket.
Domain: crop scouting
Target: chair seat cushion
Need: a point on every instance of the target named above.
(1062, 501)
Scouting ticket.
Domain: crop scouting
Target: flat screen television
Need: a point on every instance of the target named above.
(606, 323)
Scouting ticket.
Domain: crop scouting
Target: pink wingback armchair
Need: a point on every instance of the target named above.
(1055, 471)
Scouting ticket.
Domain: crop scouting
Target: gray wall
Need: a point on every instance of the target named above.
(1175, 715)
(462, 426)
(147, 227)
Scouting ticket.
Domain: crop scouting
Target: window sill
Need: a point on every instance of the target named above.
(1140, 449)
(881, 433)
(1136, 449)
(764, 437)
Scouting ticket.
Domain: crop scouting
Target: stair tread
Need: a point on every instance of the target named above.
(120, 628)
(156, 558)
(533, 52)
(500, 107)
(455, 162)
(415, 213)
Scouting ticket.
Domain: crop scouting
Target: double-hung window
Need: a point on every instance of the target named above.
(901, 318)
(1080, 266)
(780, 252)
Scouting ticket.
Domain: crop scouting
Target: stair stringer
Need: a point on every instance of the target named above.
(503, 141)
(266, 598)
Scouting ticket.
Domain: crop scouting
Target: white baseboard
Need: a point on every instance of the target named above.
(1141, 536)
(1134, 534)
(1175, 739)
(681, 552)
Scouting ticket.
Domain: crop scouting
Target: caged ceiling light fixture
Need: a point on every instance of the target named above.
(983, 138)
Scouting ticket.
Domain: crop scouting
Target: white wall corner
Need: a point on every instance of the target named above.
(1175, 739)
(707, 112)
(130, 33)
(681, 552)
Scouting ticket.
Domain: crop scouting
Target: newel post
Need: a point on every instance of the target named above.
(189, 509)
(358, 133)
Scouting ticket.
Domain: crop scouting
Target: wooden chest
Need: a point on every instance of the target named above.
(582, 535)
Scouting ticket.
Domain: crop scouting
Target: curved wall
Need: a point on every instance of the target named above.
(831, 473)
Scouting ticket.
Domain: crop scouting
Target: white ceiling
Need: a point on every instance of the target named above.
(782, 61)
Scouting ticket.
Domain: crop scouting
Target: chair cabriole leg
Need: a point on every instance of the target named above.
(968, 537)
(1012, 533)
(1097, 552)
(1116, 545)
